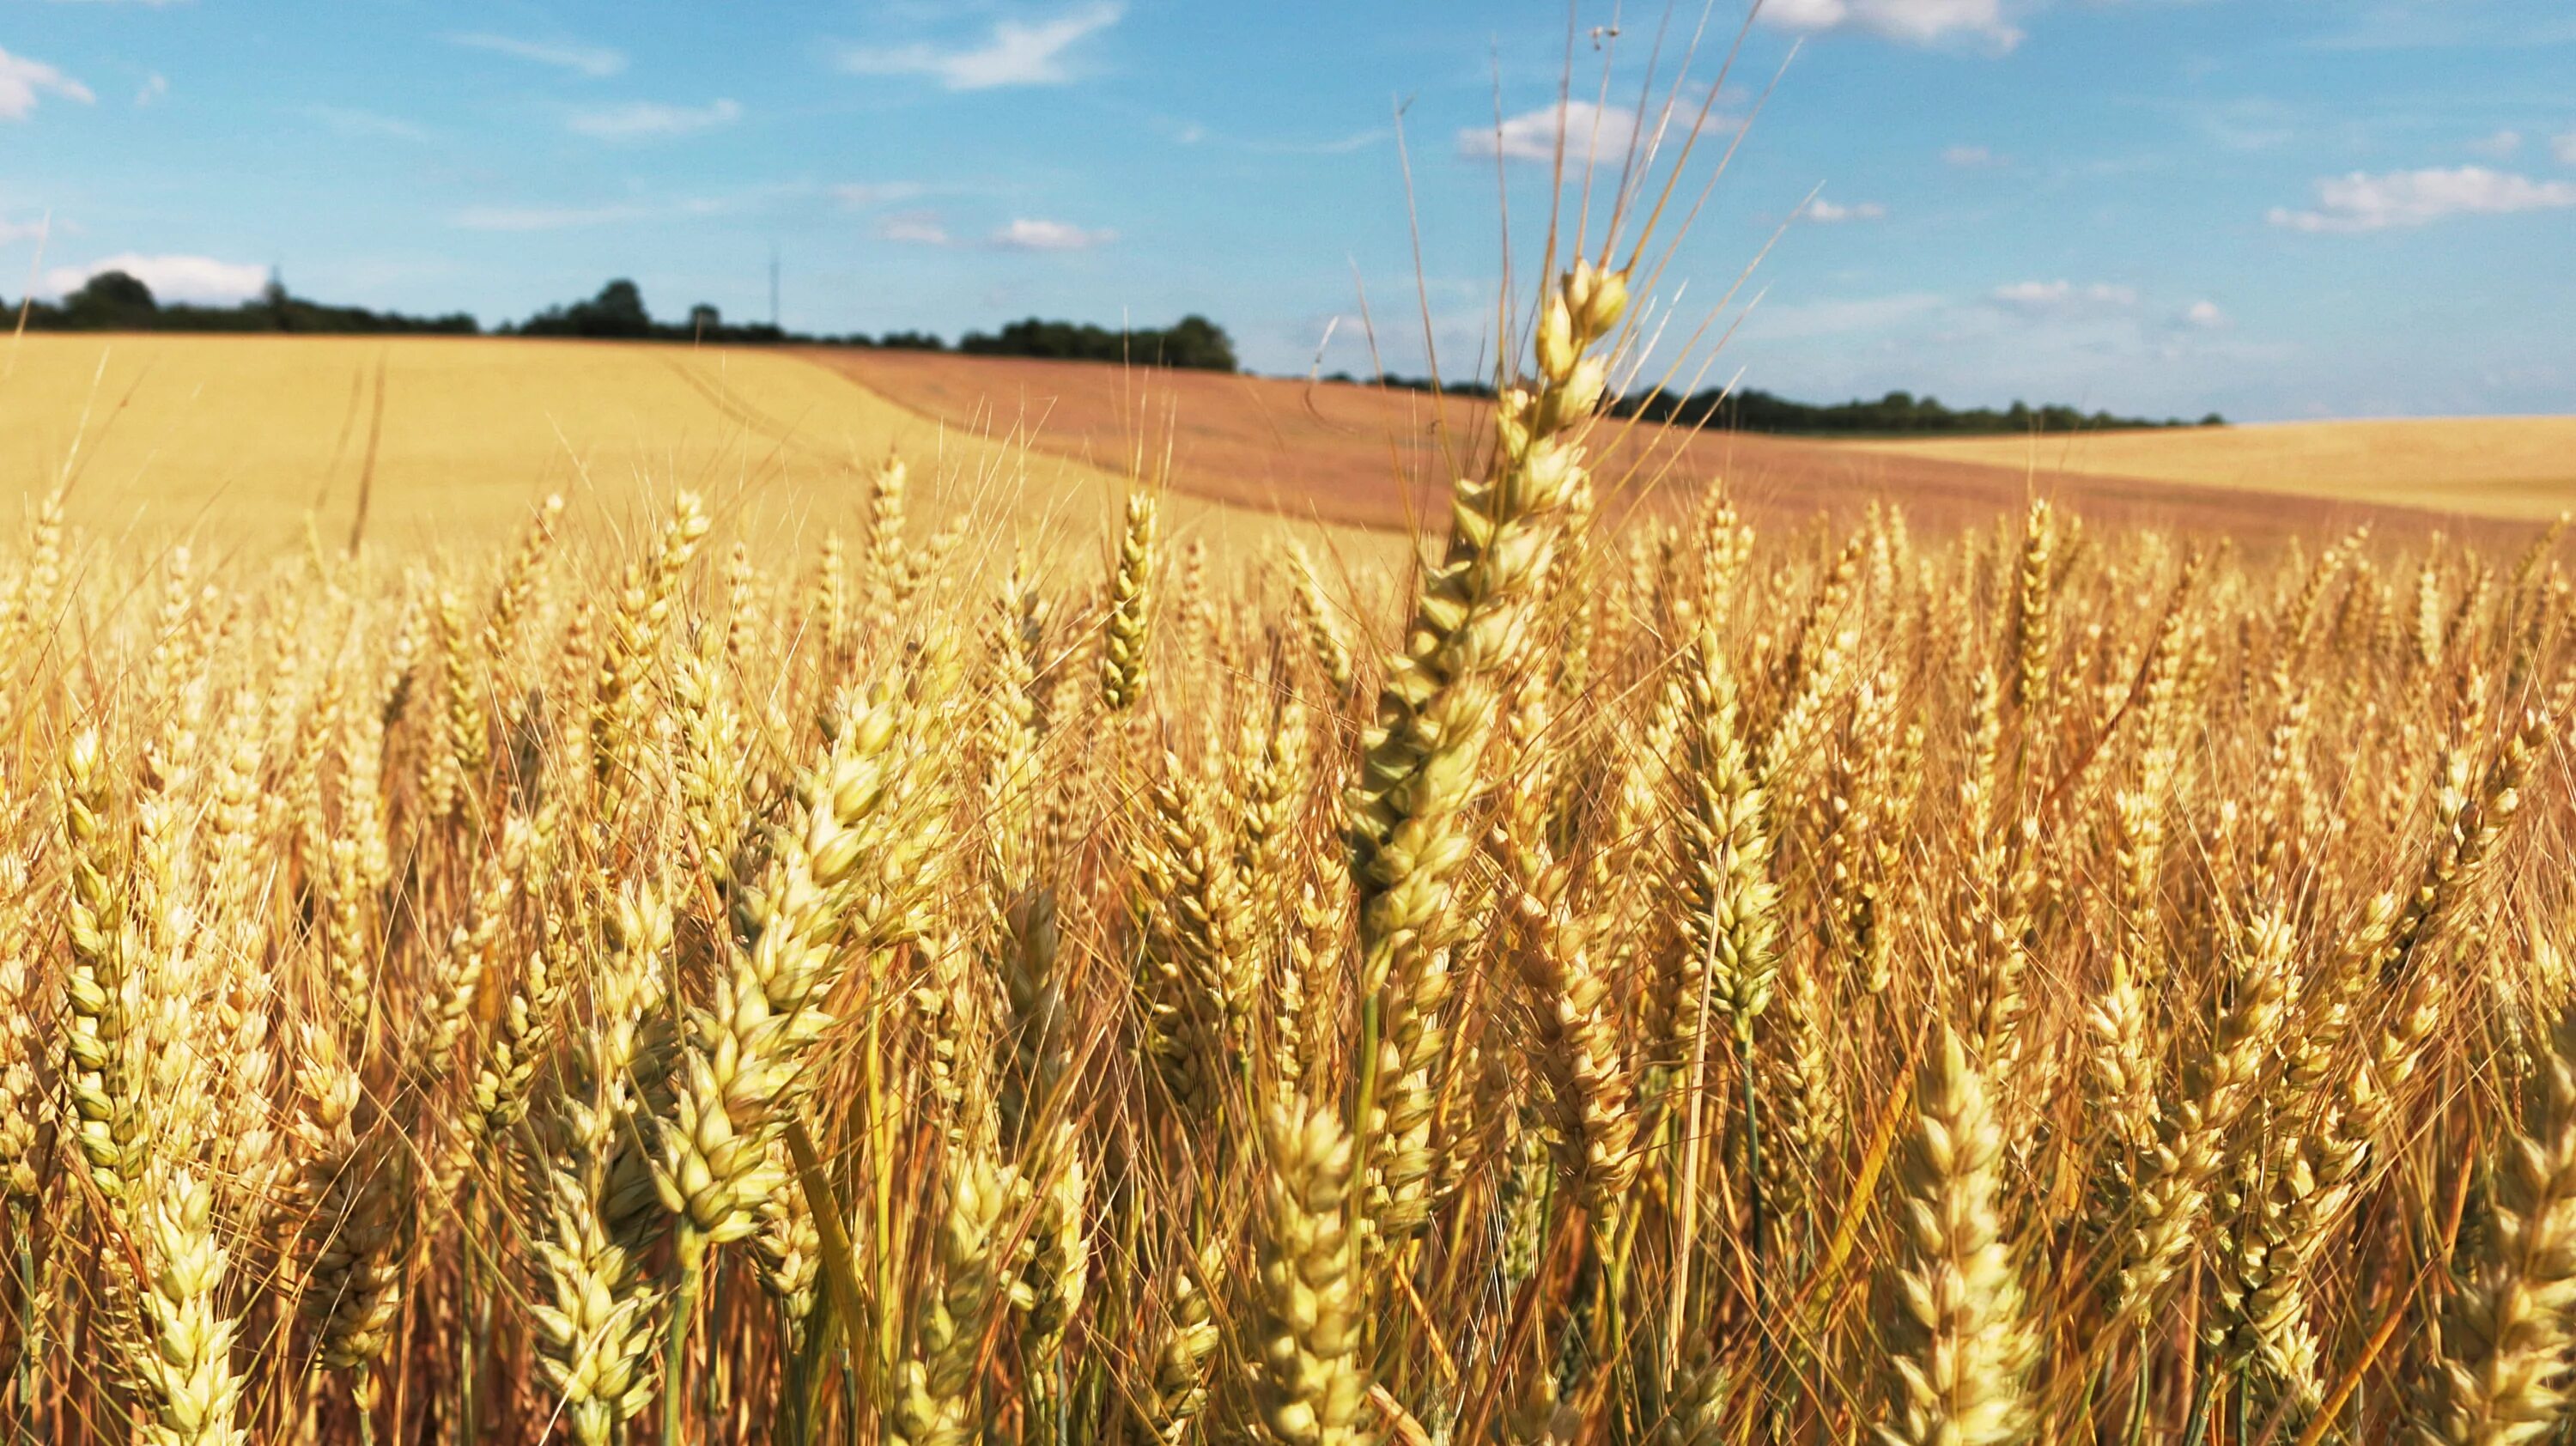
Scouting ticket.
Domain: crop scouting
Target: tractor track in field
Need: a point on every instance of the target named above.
(731, 405)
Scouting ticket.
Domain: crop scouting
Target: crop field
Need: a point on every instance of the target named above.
(745, 955)
(448, 441)
(444, 441)
(2517, 467)
(1384, 458)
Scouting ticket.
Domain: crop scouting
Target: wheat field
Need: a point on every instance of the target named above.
(419, 445)
(2050, 981)
(2509, 467)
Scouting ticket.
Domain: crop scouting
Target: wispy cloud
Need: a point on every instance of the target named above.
(349, 121)
(1914, 22)
(1832, 212)
(915, 228)
(1844, 317)
(1338, 146)
(2206, 316)
(1591, 132)
(2414, 26)
(2498, 146)
(2251, 122)
(632, 209)
(172, 278)
(2564, 148)
(591, 60)
(2063, 298)
(1970, 158)
(1025, 234)
(1013, 52)
(23, 82)
(859, 194)
(1183, 131)
(651, 120)
(2361, 202)
(13, 231)
(922, 226)
(547, 218)
(155, 86)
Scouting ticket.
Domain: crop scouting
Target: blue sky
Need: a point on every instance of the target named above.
(2273, 208)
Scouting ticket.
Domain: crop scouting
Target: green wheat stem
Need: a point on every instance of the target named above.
(675, 1341)
(30, 1327)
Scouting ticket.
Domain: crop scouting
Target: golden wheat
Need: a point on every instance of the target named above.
(1616, 979)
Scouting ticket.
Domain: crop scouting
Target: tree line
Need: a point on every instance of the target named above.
(1898, 414)
(1193, 343)
(117, 301)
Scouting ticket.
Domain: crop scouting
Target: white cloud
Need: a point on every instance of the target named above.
(2564, 148)
(155, 86)
(2206, 315)
(2360, 202)
(172, 278)
(1829, 212)
(11, 231)
(1593, 133)
(1915, 22)
(352, 122)
(915, 228)
(652, 120)
(2061, 298)
(590, 60)
(1970, 158)
(23, 82)
(1024, 234)
(2498, 146)
(1015, 52)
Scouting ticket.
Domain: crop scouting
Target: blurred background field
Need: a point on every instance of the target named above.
(2521, 467)
(447, 441)
(241, 440)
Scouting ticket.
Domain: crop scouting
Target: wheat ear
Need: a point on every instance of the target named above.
(1960, 1343)
(1310, 1385)
(2504, 1340)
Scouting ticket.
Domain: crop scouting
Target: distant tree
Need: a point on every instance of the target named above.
(1199, 344)
(113, 291)
(617, 311)
(278, 303)
(621, 306)
(704, 320)
(1193, 342)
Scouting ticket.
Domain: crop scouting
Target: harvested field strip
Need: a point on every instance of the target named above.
(1383, 458)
